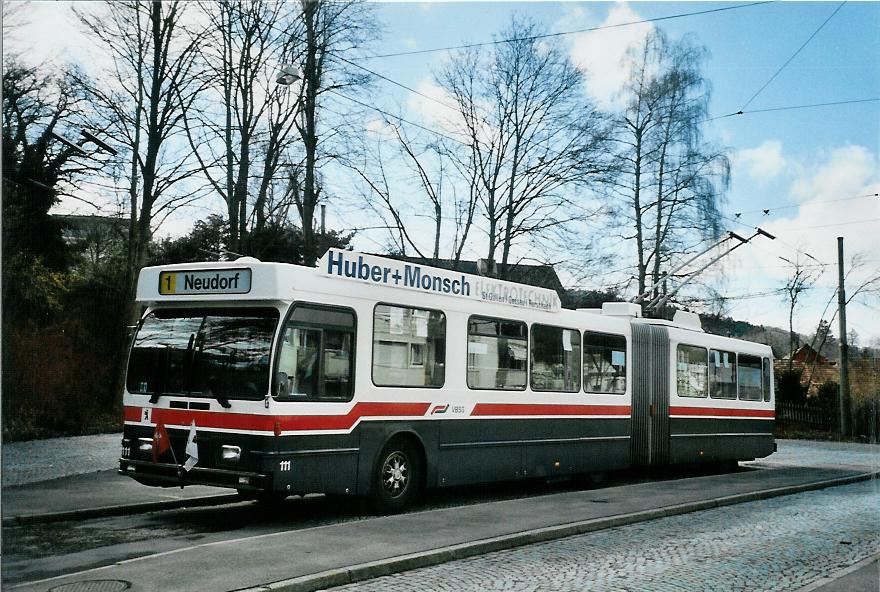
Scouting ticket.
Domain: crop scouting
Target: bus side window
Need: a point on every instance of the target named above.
(692, 370)
(749, 371)
(604, 363)
(722, 374)
(409, 346)
(317, 353)
(556, 359)
(497, 354)
(768, 378)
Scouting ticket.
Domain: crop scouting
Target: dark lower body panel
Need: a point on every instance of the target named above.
(717, 440)
(455, 452)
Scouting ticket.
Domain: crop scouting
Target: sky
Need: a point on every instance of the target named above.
(809, 167)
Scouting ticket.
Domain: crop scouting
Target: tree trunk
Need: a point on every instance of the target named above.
(307, 212)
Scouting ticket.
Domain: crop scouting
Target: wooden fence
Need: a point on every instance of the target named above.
(864, 419)
(808, 416)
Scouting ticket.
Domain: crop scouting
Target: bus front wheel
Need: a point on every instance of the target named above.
(396, 477)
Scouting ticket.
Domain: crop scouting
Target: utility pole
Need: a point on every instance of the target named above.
(844, 348)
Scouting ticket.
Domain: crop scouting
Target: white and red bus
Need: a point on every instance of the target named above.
(372, 376)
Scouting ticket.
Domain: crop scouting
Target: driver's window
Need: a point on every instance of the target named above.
(316, 359)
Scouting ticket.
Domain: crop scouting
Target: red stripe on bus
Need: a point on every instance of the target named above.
(286, 423)
(725, 412)
(527, 409)
(344, 422)
(132, 414)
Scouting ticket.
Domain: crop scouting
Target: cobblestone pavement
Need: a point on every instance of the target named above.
(780, 544)
(41, 460)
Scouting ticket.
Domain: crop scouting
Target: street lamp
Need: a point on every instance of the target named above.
(288, 75)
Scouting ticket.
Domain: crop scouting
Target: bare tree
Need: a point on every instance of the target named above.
(802, 278)
(322, 34)
(41, 115)
(15, 16)
(867, 289)
(427, 178)
(378, 195)
(141, 101)
(670, 180)
(240, 152)
(530, 136)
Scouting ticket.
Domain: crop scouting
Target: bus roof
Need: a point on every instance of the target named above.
(250, 279)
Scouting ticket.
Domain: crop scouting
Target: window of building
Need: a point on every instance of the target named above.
(750, 370)
(316, 355)
(416, 354)
(497, 354)
(556, 359)
(768, 378)
(409, 346)
(691, 371)
(604, 363)
(722, 374)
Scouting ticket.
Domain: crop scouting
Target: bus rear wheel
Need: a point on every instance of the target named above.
(396, 477)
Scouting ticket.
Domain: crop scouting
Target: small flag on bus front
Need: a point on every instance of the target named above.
(192, 448)
(161, 443)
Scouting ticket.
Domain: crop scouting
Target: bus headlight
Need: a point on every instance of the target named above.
(230, 453)
(145, 444)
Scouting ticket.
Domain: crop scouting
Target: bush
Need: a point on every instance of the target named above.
(828, 397)
(789, 388)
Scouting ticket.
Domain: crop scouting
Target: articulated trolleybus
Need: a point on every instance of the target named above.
(373, 376)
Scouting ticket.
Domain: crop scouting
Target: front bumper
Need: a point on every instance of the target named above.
(172, 475)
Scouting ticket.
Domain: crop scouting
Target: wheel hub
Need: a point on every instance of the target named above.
(395, 474)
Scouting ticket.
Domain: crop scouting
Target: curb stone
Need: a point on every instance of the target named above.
(122, 510)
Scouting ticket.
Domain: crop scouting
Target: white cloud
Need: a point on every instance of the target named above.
(49, 33)
(763, 162)
(438, 112)
(380, 128)
(824, 213)
(846, 172)
(600, 53)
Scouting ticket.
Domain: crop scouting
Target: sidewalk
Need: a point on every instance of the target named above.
(83, 470)
(41, 460)
(93, 495)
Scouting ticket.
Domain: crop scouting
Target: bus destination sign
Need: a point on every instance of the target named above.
(214, 281)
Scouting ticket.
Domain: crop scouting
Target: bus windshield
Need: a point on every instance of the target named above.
(217, 353)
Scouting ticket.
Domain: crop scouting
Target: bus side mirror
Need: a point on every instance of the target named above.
(281, 385)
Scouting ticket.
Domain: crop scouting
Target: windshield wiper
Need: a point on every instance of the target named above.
(217, 393)
(190, 363)
(161, 369)
(221, 398)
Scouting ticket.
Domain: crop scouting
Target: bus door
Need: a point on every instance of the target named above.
(649, 443)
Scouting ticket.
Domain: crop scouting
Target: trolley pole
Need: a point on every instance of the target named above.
(844, 347)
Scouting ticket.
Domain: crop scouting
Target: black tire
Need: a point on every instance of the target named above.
(397, 477)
